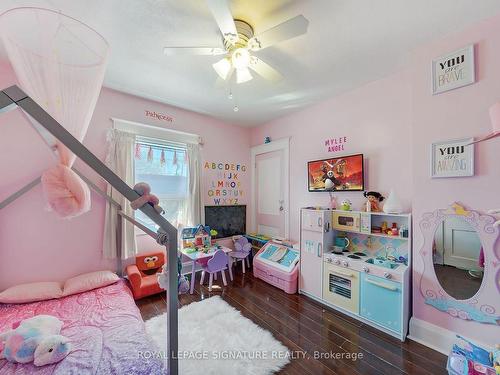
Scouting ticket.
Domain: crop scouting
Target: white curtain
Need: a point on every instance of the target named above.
(120, 159)
(194, 195)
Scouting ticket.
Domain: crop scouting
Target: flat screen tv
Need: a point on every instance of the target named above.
(226, 220)
(344, 173)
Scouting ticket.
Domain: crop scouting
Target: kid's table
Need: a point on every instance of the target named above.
(196, 255)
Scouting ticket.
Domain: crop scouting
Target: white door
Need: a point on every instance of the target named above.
(461, 245)
(270, 193)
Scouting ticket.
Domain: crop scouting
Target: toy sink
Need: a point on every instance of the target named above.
(382, 262)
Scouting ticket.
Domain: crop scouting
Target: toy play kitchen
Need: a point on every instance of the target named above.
(359, 264)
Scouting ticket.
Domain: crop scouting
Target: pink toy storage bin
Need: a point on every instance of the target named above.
(287, 281)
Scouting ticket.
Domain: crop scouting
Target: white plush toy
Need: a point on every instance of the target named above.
(36, 340)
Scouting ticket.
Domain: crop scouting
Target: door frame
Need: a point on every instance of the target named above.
(277, 145)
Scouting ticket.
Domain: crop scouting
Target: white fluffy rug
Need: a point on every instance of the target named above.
(214, 338)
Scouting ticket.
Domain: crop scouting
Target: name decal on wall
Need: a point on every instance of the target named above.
(159, 116)
(335, 144)
(224, 186)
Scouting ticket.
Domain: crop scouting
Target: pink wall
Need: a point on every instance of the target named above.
(36, 245)
(376, 125)
(456, 114)
(393, 121)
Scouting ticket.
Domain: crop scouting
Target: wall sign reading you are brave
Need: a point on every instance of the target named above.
(224, 182)
(452, 158)
(453, 70)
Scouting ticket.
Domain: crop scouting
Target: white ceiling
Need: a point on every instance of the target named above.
(349, 43)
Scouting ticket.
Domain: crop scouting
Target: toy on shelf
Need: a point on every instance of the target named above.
(36, 340)
(393, 204)
(373, 200)
(196, 237)
(144, 190)
(213, 235)
(346, 205)
(202, 236)
(333, 201)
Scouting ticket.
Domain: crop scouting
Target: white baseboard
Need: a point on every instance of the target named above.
(435, 337)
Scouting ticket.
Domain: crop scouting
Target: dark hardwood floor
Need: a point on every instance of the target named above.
(304, 325)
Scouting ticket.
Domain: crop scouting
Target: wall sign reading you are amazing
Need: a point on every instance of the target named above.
(224, 182)
(452, 158)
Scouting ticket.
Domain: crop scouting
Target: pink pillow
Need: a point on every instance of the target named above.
(31, 292)
(89, 281)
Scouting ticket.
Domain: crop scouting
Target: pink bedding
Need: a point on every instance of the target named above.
(105, 328)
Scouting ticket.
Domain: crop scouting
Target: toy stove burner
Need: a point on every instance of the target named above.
(345, 251)
(358, 253)
(352, 256)
(337, 252)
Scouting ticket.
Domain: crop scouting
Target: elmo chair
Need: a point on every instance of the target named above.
(142, 274)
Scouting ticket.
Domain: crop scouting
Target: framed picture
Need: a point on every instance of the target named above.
(453, 158)
(343, 173)
(454, 70)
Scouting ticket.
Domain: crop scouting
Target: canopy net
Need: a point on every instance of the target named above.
(60, 63)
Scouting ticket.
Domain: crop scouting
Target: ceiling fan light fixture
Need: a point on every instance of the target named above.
(240, 58)
(222, 67)
(243, 75)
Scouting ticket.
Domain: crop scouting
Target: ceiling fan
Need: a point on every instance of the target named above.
(239, 41)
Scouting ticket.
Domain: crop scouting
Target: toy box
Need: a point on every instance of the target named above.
(277, 265)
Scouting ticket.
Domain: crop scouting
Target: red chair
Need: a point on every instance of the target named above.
(142, 274)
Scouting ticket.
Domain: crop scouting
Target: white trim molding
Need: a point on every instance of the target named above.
(150, 131)
(435, 337)
(279, 144)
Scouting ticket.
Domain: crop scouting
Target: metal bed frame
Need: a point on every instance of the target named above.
(50, 130)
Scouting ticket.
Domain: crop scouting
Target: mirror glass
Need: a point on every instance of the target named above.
(458, 258)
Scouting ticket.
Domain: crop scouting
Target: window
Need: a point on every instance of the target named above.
(163, 165)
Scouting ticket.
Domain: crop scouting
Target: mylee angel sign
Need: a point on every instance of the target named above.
(453, 70)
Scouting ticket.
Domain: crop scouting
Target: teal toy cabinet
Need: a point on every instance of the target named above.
(381, 301)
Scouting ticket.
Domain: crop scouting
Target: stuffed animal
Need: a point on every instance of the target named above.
(373, 199)
(144, 190)
(345, 205)
(36, 340)
(182, 282)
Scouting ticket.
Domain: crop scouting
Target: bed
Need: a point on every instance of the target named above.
(105, 328)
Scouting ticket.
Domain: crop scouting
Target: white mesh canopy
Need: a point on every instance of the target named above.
(59, 62)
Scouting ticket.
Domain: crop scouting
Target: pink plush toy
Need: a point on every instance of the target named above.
(144, 190)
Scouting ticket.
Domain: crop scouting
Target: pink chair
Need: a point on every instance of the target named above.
(218, 263)
(242, 251)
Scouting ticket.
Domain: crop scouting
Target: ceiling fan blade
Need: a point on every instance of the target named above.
(184, 51)
(264, 70)
(287, 30)
(222, 14)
